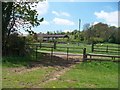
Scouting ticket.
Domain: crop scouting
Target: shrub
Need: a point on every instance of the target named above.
(16, 45)
(96, 40)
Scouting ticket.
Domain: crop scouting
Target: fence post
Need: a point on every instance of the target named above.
(107, 49)
(67, 52)
(54, 44)
(40, 44)
(51, 53)
(84, 55)
(92, 47)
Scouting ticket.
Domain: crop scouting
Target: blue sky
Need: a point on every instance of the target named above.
(64, 16)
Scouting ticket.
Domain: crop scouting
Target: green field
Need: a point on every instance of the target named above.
(36, 74)
(88, 75)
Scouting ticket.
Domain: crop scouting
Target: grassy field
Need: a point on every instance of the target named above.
(22, 72)
(88, 75)
(58, 73)
(25, 78)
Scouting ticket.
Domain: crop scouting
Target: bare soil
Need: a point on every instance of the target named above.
(57, 61)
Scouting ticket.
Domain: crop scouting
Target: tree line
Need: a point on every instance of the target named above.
(98, 33)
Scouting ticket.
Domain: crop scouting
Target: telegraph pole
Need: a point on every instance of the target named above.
(79, 29)
(79, 23)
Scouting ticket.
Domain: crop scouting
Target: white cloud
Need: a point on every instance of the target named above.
(45, 23)
(65, 14)
(60, 13)
(61, 21)
(110, 18)
(41, 8)
(56, 13)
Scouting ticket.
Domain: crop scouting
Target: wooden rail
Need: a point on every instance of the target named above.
(104, 55)
(85, 56)
(52, 48)
(105, 48)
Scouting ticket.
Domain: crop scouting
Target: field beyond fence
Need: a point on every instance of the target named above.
(103, 52)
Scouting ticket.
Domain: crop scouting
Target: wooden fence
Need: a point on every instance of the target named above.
(105, 48)
(52, 50)
(88, 56)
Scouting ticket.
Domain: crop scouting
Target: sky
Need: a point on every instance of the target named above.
(64, 16)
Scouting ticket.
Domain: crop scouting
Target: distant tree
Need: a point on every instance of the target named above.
(63, 33)
(101, 32)
(48, 32)
(117, 35)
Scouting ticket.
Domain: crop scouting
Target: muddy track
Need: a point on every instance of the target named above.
(55, 75)
(59, 63)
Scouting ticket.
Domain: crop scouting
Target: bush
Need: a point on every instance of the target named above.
(96, 40)
(15, 45)
(31, 39)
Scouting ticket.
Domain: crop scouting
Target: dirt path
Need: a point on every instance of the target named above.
(55, 75)
(60, 64)
(60, 53)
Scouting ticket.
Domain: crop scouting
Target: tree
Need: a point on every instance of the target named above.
(101, 32)
(16, 15)
(48, 32)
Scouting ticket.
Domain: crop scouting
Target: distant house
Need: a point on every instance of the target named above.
(46, 37)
